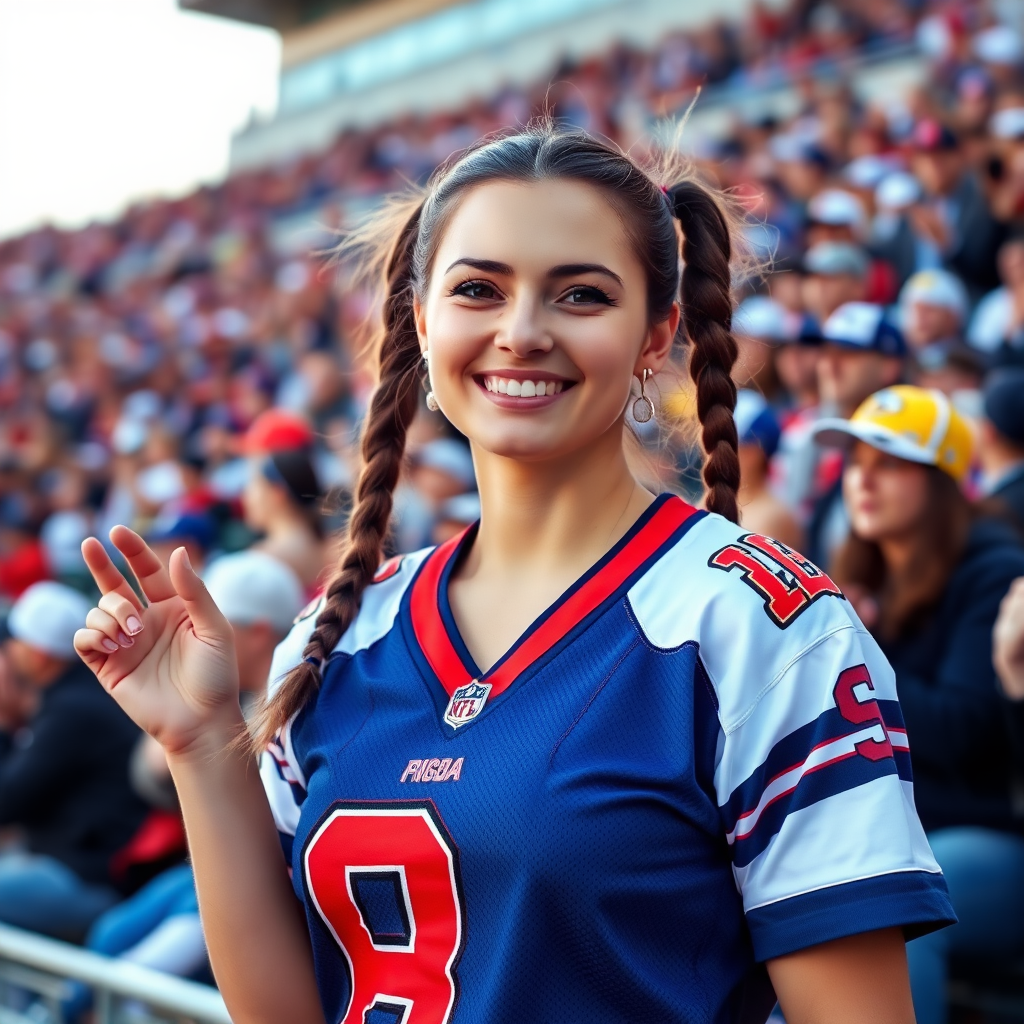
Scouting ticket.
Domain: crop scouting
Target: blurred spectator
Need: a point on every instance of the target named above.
(195, 531)
(861, 351)
(927, 574)
(64, 750)
(836, 273)
(954, 220)
(760, 510)
(23, 558)
(455, 515)
(759, 324)
(1001, 447)
(438, 471)
(282, 502)
(933, 307)
(998, 321)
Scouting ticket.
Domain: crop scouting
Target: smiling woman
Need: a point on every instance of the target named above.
(600, 757)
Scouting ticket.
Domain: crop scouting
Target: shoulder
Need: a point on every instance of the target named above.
(377, 614)
(753, 606)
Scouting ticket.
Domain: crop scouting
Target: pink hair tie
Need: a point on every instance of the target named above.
(664, 191)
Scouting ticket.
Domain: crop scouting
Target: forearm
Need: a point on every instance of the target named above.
(257, 938)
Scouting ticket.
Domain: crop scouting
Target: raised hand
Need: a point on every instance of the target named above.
(1008, 642)
(170, 664)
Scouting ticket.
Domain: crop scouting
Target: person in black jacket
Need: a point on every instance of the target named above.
(64, 781)
(1002, 441)
(927, 573)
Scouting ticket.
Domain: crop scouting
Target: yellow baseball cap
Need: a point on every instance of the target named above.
(917, 424)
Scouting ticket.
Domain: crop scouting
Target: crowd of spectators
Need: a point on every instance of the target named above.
(193, 370)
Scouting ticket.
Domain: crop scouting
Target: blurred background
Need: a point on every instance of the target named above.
(177, 354)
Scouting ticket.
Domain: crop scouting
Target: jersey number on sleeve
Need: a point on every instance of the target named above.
(853, 695)
(385, 880)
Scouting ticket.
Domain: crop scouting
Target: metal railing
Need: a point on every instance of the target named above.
(35, 976)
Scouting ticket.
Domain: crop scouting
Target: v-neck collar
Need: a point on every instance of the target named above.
(437, 636)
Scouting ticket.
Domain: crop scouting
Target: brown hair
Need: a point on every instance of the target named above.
(650, 214)
(904, 598)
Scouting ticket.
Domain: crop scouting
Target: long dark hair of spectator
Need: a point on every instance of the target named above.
(295, 472)
(904, 598)
(652, 213)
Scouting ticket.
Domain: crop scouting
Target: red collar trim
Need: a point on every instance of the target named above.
(561, 618)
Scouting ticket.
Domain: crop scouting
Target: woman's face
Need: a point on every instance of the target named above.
(535, 286)
(886, 497)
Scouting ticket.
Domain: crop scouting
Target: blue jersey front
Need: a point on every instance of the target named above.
(672, 777)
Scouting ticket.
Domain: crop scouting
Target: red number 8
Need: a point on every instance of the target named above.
(385, 880)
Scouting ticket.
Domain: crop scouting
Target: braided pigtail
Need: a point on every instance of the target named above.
(391, 411)
(707, 317)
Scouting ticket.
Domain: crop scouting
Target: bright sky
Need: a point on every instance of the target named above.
(107, 101)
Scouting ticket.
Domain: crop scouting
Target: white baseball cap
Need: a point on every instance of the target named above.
(897, 191)
(999, 44)
(1008, 123)
(47, 616)
(251, 586)
(836, 207)
(935, 288)
(761, 317)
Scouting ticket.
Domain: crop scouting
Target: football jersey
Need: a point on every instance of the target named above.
(692, 762)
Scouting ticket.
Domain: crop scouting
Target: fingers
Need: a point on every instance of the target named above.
(91, 642)
(117, 634)
(107, 575)
(148, 569)
(207, 621)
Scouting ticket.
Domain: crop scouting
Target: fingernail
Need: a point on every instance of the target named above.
(125, 641)
(188, 563)
(134, 625)
(109, 645)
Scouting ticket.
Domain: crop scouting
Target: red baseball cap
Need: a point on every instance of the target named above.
(277, 430)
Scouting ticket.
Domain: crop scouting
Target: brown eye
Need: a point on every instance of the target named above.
(585, 295)
(475, 290)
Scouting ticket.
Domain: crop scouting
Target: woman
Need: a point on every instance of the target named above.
(494, 812)
(927, 574)
(282, 502)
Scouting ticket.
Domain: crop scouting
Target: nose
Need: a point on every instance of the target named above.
(523, 331)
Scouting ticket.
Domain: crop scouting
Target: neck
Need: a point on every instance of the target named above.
(287, 520)
(563, 512)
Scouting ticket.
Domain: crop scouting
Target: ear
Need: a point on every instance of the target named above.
(657, 345)
(420, 316)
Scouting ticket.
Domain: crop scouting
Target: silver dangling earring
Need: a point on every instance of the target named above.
(431, 400)
(643, 407)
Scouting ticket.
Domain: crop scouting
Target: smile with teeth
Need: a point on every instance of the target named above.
(523, 388)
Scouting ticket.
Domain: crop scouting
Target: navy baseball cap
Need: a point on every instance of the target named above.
(863, 327)
(755, 421)
(193, 526)
(1003, 397)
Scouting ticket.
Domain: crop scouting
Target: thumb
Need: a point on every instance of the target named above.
(208, 622)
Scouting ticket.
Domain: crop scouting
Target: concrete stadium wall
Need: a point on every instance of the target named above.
(521, 61)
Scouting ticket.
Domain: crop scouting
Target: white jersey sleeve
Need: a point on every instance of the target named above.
(280, 765)
(812, 770)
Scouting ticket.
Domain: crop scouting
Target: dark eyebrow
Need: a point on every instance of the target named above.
(563, 270)
(487, 266)
(573, 269)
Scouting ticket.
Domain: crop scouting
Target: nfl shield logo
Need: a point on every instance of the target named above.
(467, 702)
